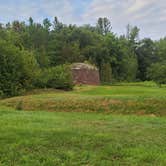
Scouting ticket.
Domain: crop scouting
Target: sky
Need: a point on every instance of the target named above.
(148, 15)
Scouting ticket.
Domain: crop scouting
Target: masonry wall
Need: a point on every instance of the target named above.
(86, 76)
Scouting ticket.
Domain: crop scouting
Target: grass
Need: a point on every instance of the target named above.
(90, 126)
(123, 99)
(59, 138)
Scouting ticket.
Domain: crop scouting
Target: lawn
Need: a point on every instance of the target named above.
(49, 139)
(121, 99)
(91, 126)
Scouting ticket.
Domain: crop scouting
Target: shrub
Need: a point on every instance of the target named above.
(58, 77)
(17, 69)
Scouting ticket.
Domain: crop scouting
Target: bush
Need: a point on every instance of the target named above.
(58, 77)
(17, 69)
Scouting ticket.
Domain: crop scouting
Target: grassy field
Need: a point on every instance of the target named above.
(123, 99)
(91, 126)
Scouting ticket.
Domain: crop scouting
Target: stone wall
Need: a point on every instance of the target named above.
(86, 76)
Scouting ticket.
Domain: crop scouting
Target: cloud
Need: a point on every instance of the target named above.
(148, 15)
(62, 9)
(139, 5)
(39, 9)
(10, 11)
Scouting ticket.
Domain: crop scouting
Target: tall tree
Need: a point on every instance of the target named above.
(132, 34)
(105, 72)
(30, 21)
(146, 55)
(47, 24)
(103, 26)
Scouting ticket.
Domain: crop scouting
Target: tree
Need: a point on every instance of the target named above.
(132, 34)
(34, 47)
(30, 21)
(17, 71)
(146, 55)
(58, 26)
(105, 72)
(126, 61)
(47, 24)
(103, 26)
(157, 73)
(161, 49)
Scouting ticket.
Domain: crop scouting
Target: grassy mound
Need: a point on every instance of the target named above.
(122, 99)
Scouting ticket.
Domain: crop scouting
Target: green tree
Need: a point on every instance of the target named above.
(47, 24)
(17, 71)
(58, 26)
(103, 26)
(132, 34)
(161, 49)
(105, 72)
(30, 21)
(157, 73)
(146, 55)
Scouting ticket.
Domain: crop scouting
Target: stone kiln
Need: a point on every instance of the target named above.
(85, 74)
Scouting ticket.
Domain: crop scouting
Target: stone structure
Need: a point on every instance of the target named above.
(85, 74)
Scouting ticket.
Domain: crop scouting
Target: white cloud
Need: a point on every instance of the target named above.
(9, 12)
(62, 9)
(149, 15)
(37, 9)
(139, 4)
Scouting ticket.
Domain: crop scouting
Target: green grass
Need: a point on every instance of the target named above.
(122, 99)
(49, 139)
(90, 126)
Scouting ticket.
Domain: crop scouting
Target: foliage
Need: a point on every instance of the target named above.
(132, 34)
(105, 73)
(50, 44)
(146, 55)
(161, 49)
(18, 68)
(103, 26)
(157, 72)
(59, 77)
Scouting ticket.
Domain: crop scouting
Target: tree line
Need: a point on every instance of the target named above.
(35, 54)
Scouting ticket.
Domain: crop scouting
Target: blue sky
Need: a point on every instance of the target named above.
(148, 15)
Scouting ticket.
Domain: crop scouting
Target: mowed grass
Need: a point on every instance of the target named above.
(77, 139)
(90, 126)
(138, 99)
